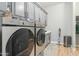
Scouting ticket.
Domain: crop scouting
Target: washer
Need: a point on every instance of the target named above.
(16, 38)
(17, 41)
(40, 41)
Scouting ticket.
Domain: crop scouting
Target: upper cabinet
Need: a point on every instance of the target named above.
(30, 11)
(19, 9)
(40, 16)
(43, 18)
(37, 15)
(3, 6)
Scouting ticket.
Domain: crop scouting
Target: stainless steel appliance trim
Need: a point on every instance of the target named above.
(0, 36)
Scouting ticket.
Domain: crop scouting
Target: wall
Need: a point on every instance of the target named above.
(76, 13)
(68, 17)
(60, 16)
(77, 8)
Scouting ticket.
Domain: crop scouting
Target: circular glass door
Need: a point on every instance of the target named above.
(40, 37)
(20, 43)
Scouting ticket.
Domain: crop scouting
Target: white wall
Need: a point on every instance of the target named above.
(68, 18)
(60, 16)
(77, 9)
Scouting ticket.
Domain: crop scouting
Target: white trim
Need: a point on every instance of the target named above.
(55, 42)
(73, 27)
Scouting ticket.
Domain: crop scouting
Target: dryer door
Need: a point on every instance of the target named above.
(20, 43)
(40, 37)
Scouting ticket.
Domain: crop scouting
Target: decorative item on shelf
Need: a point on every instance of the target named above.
(7, 15)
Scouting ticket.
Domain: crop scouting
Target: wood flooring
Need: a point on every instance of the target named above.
(60, 50)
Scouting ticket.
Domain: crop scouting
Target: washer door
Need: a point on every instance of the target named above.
(20, 43)
(40, 37)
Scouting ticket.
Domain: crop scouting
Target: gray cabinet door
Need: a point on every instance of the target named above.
(30, 11)
(3, 6)
(37, 15)
(42, 18)
(19, 9)
(45, 19)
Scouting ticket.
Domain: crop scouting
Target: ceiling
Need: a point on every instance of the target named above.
(46, 4)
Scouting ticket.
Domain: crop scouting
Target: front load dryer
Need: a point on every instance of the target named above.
(17, 40)
(40, 40)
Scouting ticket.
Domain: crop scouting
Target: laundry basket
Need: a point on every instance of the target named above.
(67, 41)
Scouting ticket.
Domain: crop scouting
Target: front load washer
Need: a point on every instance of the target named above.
(40, 40)
(17, 40)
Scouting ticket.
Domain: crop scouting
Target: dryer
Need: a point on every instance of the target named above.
(17, 41)
(16, 33)
(43, 38)
(40, 40)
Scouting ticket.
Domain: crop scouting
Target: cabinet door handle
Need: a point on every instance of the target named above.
(39, 19)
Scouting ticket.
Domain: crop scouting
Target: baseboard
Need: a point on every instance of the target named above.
(77, 46)
(54, 42)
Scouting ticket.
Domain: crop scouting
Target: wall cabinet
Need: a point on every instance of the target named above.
(37, 15)
(40, 16)
(19, 9)
(43, 18)
(29, 11)
(37, 9)
(3, 6)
